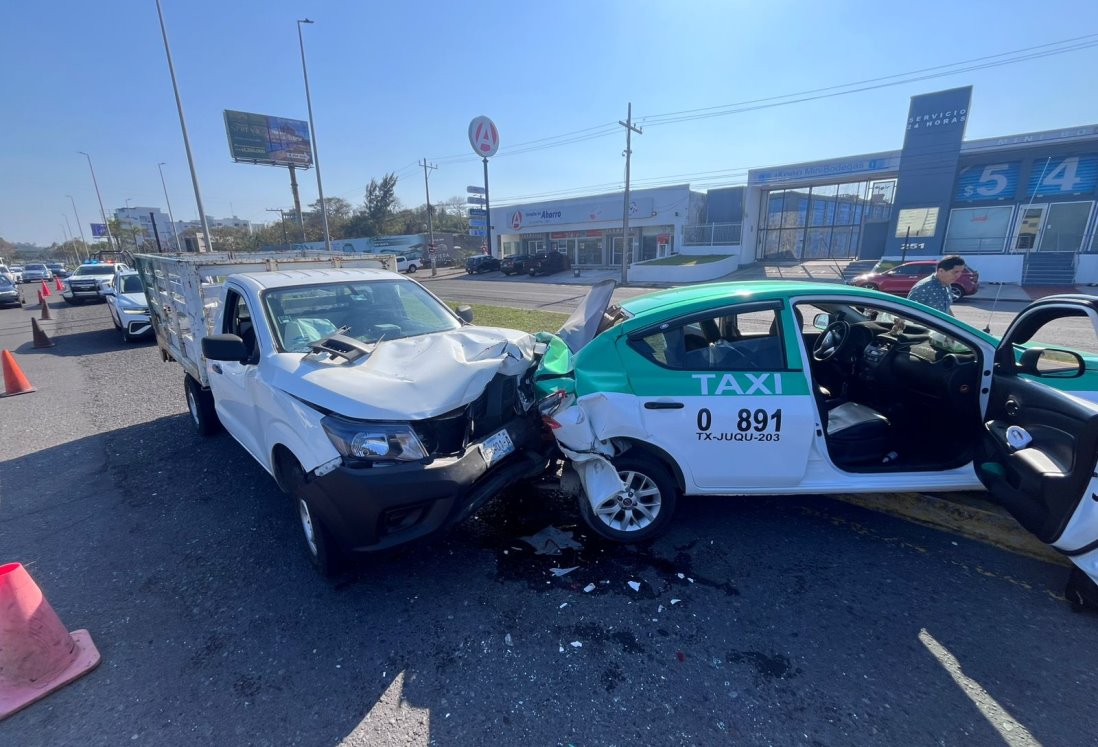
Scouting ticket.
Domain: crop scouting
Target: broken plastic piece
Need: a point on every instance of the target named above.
(550, 541)
(634, 585)
(562, 571)
(507, 640)
(577, 644)
(675, 601)
(588, 589)
(563, 605)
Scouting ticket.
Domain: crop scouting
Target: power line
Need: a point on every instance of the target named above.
(988, 61)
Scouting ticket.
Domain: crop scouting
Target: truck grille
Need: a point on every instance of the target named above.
(452, 432)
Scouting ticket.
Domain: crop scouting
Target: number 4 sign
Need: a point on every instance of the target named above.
(1063, 176)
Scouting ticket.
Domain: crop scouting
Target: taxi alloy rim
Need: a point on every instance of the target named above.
(635, 507)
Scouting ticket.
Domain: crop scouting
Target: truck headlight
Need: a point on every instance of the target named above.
(365, 441)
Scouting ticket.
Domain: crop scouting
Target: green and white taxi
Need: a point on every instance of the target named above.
(780, 387)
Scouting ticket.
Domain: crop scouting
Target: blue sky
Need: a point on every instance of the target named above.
(394, 83)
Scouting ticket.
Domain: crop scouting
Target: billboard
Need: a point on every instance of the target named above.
(99, 230)
(928, 169)
(258, 138)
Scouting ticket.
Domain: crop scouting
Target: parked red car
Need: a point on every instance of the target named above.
(901, 278)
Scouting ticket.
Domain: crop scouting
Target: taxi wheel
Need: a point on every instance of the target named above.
(201, 406)
(642, 510)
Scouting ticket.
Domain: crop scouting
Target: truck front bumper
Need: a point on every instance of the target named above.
(376, 508)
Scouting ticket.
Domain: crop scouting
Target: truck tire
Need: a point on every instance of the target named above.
(643, 510)
(319, 546)
(200, 403)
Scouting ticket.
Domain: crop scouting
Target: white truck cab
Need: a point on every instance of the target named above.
(378, 409)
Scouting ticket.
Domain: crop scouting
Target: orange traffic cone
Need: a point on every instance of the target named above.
(57, 284)
(14, 380)
(45, 289)
(41, 339)
(37, 655)
(45, 311)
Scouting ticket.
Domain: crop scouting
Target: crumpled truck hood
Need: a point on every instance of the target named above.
(410, 378)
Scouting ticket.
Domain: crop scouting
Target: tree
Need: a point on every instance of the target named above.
(375, 217)
(339, 215)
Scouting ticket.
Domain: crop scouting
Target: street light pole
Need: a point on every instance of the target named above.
(312, 132)
(78, 223)
(175, 231)
(183, 127)
(102, 212)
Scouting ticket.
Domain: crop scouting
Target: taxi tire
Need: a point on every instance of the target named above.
(651, 467)
(200, 406)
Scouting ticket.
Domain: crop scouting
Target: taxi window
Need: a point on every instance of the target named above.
(749, 341)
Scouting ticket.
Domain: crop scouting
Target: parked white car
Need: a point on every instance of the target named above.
(128, 306)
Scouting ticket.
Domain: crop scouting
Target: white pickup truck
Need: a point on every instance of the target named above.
(385, 415)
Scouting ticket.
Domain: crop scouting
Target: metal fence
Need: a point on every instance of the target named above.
(712, 234)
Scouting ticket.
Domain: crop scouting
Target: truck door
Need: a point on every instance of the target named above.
(1039, 445)
(232, 382)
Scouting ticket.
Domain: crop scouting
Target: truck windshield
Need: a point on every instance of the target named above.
(368, 311)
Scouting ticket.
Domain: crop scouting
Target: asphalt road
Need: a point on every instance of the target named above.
(763, 621)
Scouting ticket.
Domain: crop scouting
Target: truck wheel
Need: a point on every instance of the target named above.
(319, 546)
(318, 543)
(411, 269)
(642, 511)
(201, 405)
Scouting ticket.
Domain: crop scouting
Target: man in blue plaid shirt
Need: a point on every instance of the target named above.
(933, 290)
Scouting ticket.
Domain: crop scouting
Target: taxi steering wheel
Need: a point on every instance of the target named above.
(833, 340)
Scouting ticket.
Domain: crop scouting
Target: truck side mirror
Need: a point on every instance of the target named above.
(224, 348)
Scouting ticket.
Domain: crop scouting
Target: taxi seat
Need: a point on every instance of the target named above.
(857, 434)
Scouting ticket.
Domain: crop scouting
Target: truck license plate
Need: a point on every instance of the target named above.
(496, 447)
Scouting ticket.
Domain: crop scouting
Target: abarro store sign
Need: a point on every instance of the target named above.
(594, 211)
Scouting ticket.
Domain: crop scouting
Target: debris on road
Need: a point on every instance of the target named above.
(550, 541)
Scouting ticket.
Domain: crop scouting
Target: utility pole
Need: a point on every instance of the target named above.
(282, 215)
(625, 242)
(430, 223)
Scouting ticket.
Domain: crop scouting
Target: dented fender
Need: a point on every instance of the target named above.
(597, 476)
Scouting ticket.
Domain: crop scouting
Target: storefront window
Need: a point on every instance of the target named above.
(795, 210)
(822, 212)
(974, 230)
(589, 252)
(774, 209)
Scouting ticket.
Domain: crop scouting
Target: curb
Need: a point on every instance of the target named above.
(970, 517)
